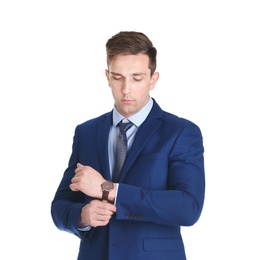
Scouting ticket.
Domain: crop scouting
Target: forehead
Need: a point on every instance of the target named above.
(130, 63)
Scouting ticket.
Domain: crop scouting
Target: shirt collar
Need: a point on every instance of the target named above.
(138, 118)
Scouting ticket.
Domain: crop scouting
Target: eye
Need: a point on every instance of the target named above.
(137, 78)
(115, 77)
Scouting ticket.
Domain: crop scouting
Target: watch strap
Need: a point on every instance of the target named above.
(105, 195)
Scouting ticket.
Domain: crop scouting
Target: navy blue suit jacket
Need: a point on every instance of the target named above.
(161, 188)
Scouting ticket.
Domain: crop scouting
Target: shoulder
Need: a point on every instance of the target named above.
(94, 122)
(180, 125)
(171, 123)
(170, 118)
(175, 119)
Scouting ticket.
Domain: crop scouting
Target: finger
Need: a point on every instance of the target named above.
(73, 187)
(108, 207)
(79, 165)
(74, 179)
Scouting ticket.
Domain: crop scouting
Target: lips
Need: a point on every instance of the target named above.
(127, 101)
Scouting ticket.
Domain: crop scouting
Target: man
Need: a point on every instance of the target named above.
(161, 184)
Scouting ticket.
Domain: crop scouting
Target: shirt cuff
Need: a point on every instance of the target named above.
(87, 228)
(117, 186)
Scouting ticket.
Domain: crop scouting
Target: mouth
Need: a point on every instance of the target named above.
(127, 101)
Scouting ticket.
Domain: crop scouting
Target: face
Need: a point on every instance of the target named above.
(130, 82)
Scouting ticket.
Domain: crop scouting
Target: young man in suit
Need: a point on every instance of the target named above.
(137, 214)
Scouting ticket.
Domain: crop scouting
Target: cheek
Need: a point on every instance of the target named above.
(115, 84)
(115, 87)
(142, 90)
(116, 92)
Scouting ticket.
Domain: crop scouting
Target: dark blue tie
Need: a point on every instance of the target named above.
(121, 149)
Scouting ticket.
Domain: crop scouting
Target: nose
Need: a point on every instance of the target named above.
(126, 86)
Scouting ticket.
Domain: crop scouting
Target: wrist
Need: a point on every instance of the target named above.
(108, 189)
(112, 194)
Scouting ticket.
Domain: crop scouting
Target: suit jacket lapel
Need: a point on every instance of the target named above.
(143, 136)
(102, 143)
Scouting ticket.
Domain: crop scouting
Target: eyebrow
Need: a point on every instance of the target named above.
(133, 74)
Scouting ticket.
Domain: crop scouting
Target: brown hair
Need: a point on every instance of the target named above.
(129, 42)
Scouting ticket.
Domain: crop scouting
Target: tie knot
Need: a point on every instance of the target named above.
(125, 126)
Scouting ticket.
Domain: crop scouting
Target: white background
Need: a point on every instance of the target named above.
(52, 62)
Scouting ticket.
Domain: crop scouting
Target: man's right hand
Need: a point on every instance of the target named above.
(96, 213)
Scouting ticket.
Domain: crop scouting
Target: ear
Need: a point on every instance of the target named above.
(107, 76)
(107, 73)
(154, 80)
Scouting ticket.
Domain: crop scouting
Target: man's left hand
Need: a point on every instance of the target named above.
(87, 180)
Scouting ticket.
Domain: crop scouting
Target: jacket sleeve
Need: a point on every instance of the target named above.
(174, 193)
(67, 204)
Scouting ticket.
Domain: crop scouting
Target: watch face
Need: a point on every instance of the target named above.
(108, 185)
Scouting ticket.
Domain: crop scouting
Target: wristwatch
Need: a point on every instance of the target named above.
(106, 187)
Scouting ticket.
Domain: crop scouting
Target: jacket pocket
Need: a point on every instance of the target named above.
(162, 244)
